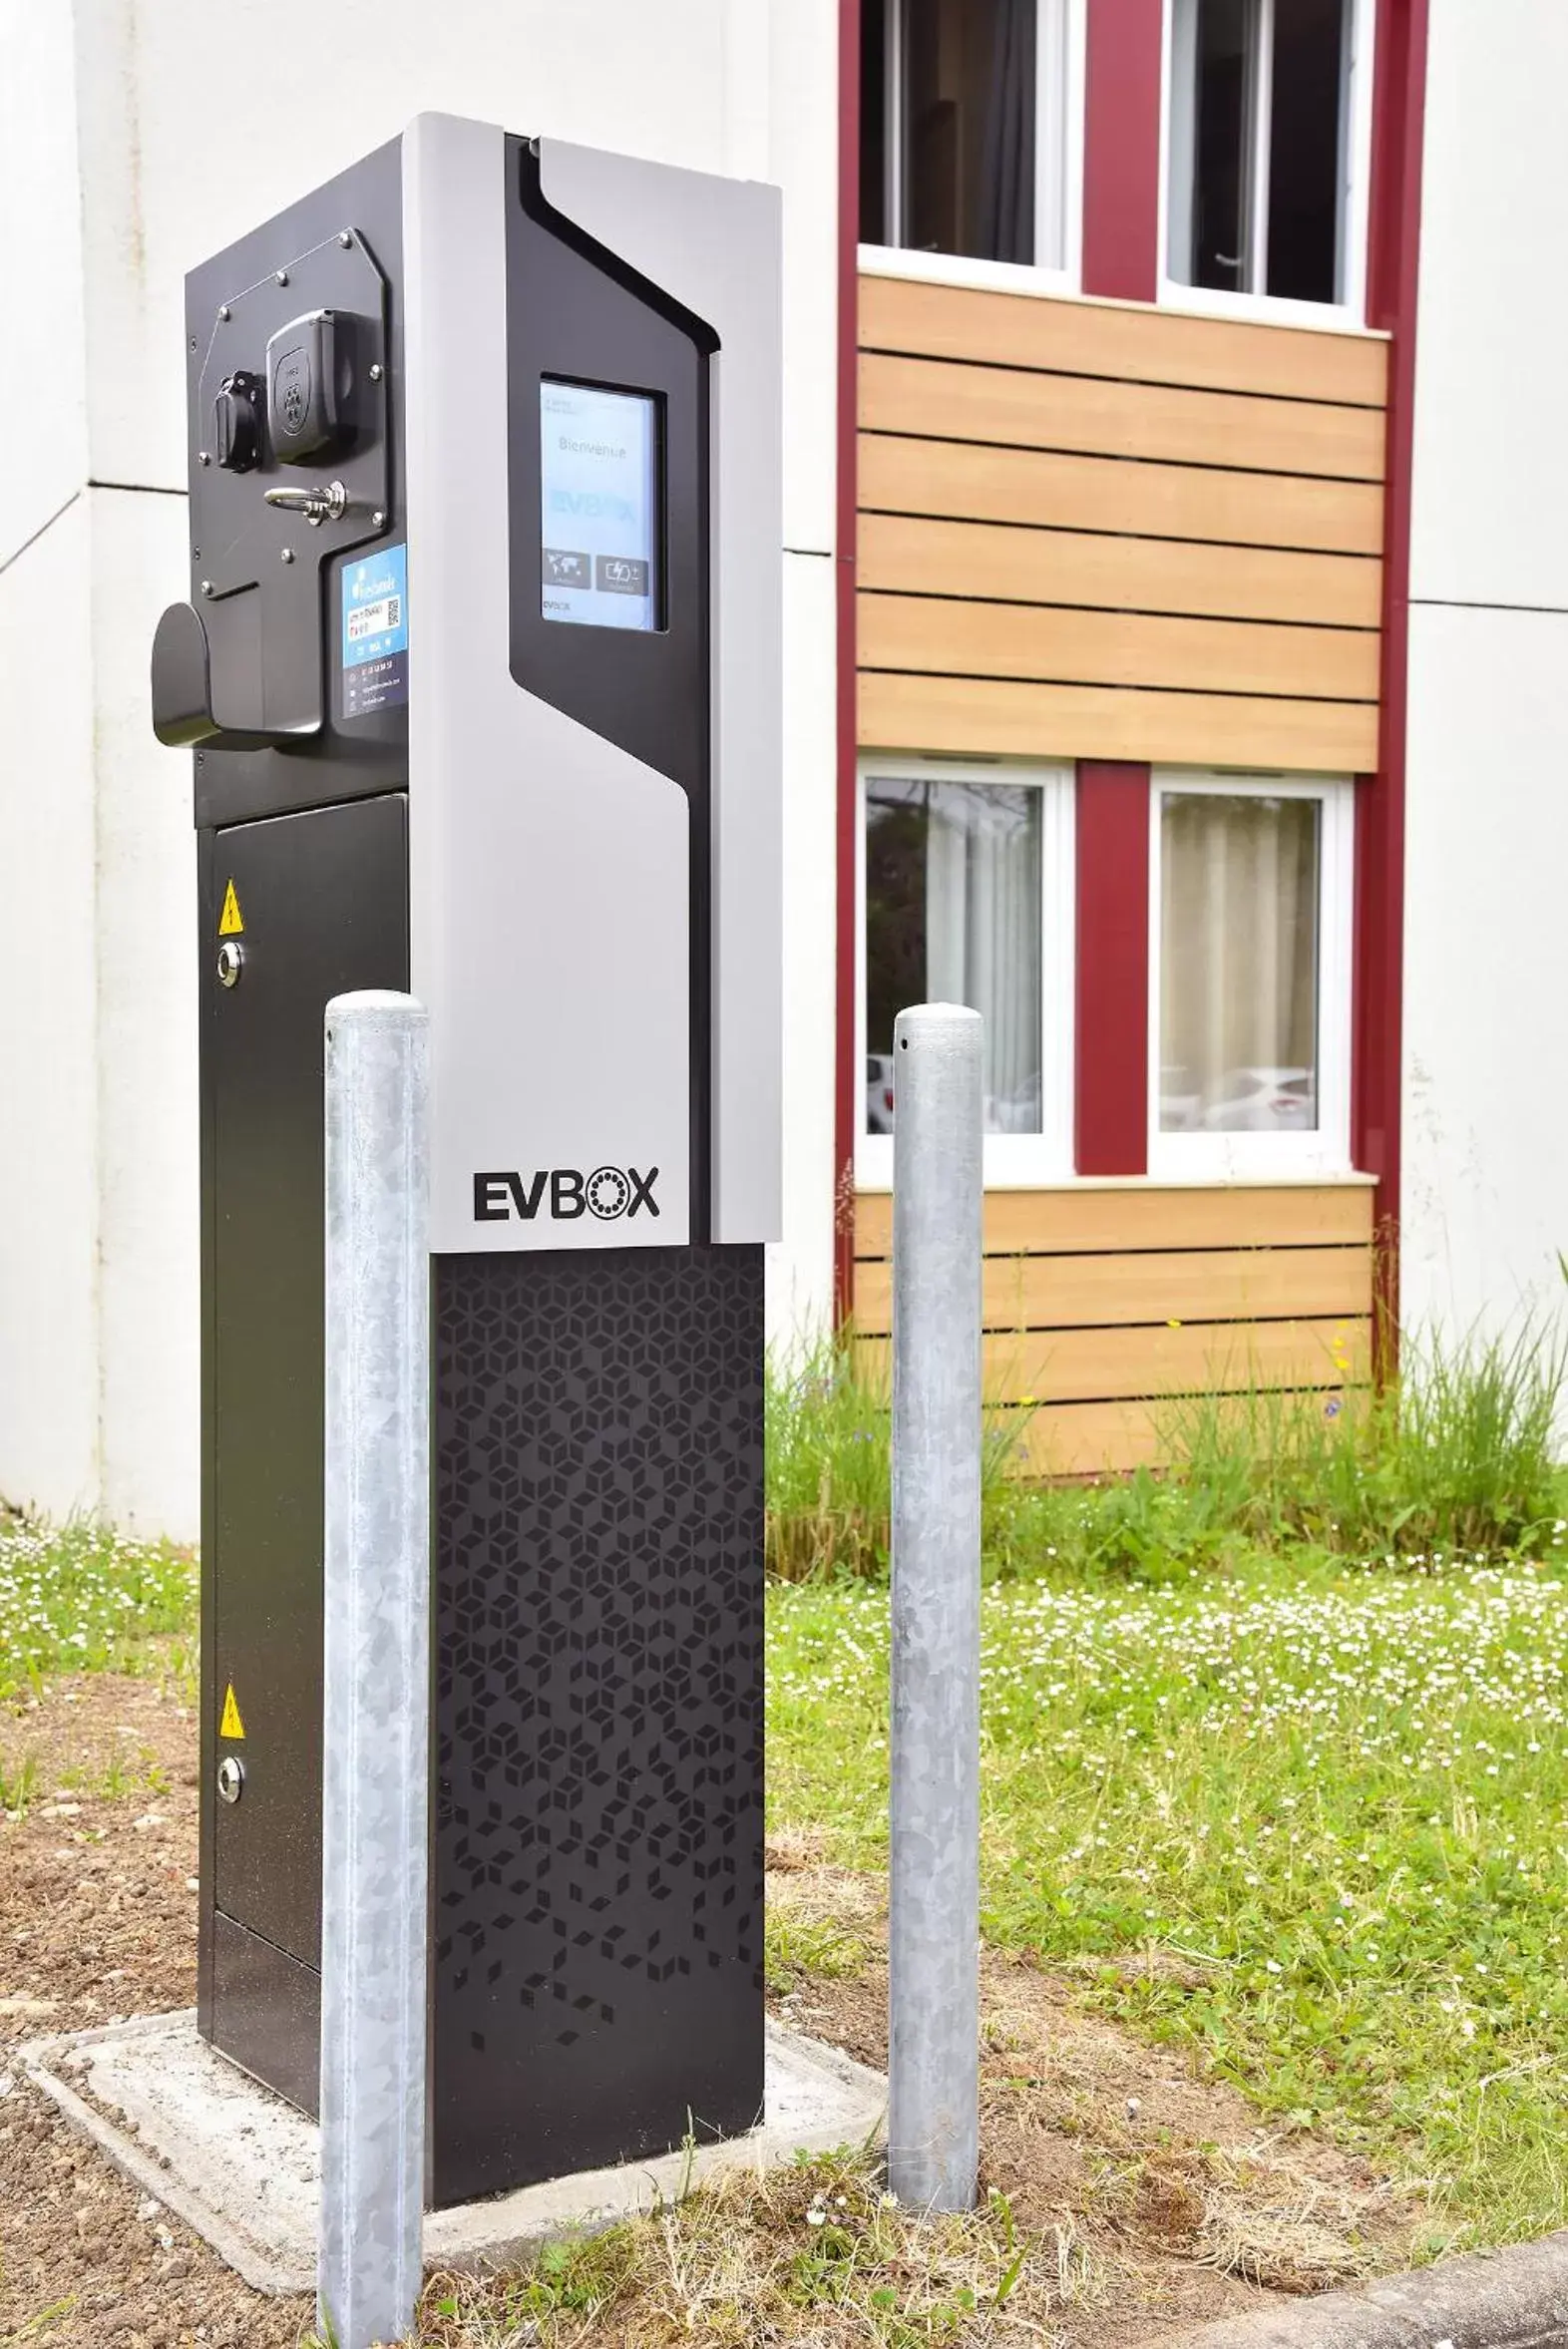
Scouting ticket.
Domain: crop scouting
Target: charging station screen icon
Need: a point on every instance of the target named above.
(599, 507)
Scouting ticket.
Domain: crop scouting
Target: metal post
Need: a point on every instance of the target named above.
(934, 1931)
(376, 1710)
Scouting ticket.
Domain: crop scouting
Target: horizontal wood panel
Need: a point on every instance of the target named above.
(916, 554)
(1161, 1216)
(1095, 1365)
(944, 636)
(1181, 502)
(948, 401)
(980, 717)
(1191, 1285)
(1145, 344)
(1109, 1438)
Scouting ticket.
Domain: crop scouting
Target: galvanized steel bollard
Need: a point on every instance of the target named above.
(934, 1928)
(376, 1711)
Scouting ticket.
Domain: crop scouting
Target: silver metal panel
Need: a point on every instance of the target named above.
(549, 869)
(714, 244)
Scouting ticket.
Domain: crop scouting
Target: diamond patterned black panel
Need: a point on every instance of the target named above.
(597, 1930)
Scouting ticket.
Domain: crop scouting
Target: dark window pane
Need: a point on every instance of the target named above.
(969, 128)
(1305, 149)
(873, 122)
(953, 915)
(1226, 77)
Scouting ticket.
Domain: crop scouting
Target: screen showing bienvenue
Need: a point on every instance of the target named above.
(600, 520)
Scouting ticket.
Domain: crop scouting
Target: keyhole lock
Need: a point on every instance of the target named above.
(230, 1779)
(230, 962)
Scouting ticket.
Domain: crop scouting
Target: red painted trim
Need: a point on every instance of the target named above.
(1111, 1019)
(1398, 97)
(847, 1094)
(1123, 67)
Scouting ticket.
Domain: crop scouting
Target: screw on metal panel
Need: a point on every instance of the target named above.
(203, 458)
(287, 554)
(282, 276)
(206, 586)
(195, 554)
(223, 312)
(376, 371)
(378, 517)
(345, 236)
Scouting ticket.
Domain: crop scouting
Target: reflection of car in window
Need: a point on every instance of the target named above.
(1264, 1101)
(878, 1092)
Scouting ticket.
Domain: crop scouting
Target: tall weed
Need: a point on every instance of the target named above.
(1455, 1455)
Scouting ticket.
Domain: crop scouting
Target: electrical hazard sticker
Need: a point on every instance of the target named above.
(230, 1725)
(231, 923)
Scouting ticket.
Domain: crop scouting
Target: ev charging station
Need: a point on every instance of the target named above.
(479, 670)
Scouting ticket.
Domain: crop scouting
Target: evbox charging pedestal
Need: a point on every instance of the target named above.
(480, 670)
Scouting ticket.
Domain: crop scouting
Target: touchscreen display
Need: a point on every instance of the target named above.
(598, 511)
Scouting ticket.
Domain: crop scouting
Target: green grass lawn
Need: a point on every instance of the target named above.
(1325, 1809)
(1337, 1801)
(79, 1598)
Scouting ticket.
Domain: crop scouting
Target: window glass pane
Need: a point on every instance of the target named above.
(953, 915)
(1239, 896)
(969, 128)
(1306, 171)
(874, 227)
(1226, 78)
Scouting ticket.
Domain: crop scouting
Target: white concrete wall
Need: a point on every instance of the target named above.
(136, 138)
(49, 1230)
(1486, 930)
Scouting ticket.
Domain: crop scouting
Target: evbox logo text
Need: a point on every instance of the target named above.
(610, 1192)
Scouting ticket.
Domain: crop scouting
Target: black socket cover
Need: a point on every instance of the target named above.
(302, 366)
(236, 423)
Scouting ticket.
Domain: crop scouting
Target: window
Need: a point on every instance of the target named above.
(1250, 976)
(1267, 130)
(967, 898)
(970, 134)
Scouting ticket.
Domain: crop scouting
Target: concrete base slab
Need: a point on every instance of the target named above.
(244, 2168)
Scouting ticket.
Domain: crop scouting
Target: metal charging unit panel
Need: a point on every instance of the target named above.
(483, 704)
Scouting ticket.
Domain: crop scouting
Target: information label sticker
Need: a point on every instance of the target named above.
(375, 632)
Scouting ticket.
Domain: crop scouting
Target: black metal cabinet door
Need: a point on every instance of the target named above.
(322, 899)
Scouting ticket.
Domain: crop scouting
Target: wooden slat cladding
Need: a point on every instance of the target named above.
(949, 636)
(1205, 505)
(1102, 1304)
(1116, 1219)
(1097, 530)
(1076, 415)
(1095, 1365)
(966, 716)
(903, 554)
(1193, 1285)
(1123, 341)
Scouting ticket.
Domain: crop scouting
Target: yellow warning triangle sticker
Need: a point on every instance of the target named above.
(230, 1725)
(231, 923)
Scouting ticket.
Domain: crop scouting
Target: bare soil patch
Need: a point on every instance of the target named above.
(1167, 2200)
(98, 1915)
(1157, 2199)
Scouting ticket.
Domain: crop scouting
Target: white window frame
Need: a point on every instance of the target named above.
(1058, 207)
(1349, 310)
(1222, 1157)
(1010, 1161)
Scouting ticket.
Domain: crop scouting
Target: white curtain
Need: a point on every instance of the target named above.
(1238, 960)
(983, 933)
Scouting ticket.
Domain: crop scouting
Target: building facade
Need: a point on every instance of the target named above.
(1172, 548)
